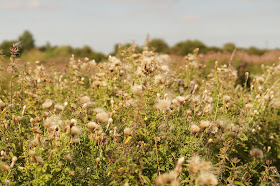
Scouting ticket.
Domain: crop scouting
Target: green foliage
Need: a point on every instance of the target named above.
(159, 45)
(27, 40)
(5, 47)
(255, 51)
(183, 48)
(131, 118)
(229, 47)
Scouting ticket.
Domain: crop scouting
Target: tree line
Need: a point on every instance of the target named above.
(182, 48)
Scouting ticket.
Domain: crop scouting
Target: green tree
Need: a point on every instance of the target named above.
(255, 51)
(185, 47)
(5, 47)
(27, 40)
(229, 47)
(159, 45)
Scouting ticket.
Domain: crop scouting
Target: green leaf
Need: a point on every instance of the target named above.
(238, 183)
(146, 179)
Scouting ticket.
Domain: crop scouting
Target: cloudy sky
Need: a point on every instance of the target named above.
(103, 23)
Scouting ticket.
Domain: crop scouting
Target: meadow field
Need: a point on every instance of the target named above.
(141, 118)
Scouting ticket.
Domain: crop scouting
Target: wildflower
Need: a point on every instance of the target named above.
(34, 142)
(4, 167)
(180, 99)
(204, 124)
(85, 99)
(165, 178)
(163, 104)
(98, 110)
(14, 159)
(92, 125)
(97, 161)
(208, 108)
(126, 132)
(194, 164)
(7, 182)
(75, 131)
(226, 98)
(60, 164)
(68, 157)
(102, 117)
(165, 68)
(178, 167)
(248, 106)
(47, 104)
(2, 104)
(73, 122)
(256, 153)
(159, 79)
(39, 159)
(194, 129)
(137, 89)
(207, 179)
(58, 107)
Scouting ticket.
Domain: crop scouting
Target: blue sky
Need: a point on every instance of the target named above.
(103, 23)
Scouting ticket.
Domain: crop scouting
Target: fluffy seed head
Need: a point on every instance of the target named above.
(256, 153)
(14, 159)
(137, 89)
(92, 125)
(68, 157)
(75, 131)
(47, 104)
(207, 179)
(4, 167)
(194, 129)
(226, 98)
(84, 99)
(163, 104)
(35, 142)
(102, 117)
(2, 104)
(204, 124)
(126, 131)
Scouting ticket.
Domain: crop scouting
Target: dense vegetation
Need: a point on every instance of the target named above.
(139, 118)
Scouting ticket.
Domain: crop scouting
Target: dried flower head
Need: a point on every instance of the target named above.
(163, 104)
(256, 153)
(226, 98)
(194, 129)
(47, 104)
(75, 131)
(204, 124)
(68, 157)
(126, 131)
(92, 126)
(4, 167)
(207, 179)
(102, 117)
(85, 99)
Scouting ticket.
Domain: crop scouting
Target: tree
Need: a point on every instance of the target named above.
(5, 46)
(255, 51)
(159, 45)
(229, 47)
(185, 47)
(27, 40)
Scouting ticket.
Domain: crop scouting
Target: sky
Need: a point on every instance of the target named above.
(103, 23)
